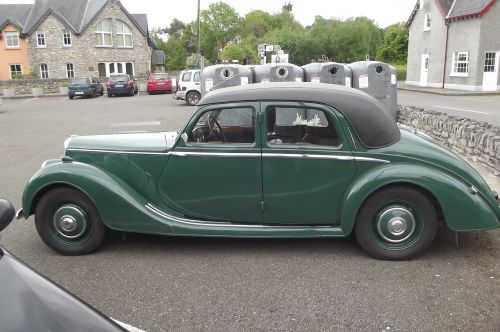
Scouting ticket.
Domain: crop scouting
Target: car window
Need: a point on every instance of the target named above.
(196, 77)
(298, 125)
(80, 80)
(118, 78)
(228, 125)
(186, 77)
(160, 76)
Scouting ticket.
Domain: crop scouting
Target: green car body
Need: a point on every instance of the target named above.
(166, 183)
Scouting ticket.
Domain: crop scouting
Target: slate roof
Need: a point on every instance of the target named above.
(14, 14)
(458, 9)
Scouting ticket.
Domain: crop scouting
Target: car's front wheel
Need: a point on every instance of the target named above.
(68, 222)
(396, 223)
(192, 98)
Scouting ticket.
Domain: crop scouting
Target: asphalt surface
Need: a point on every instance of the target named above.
(480, 108)
(193, 284)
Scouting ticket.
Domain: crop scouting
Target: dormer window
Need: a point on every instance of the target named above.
(427, 22)
(12, 39)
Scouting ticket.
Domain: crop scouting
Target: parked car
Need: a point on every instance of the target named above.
(159, 82)
(31, 302)
(84, 87)
(264, 160)
(121, 84)
(189, 86)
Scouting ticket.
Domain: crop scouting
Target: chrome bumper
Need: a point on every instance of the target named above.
(19, 214)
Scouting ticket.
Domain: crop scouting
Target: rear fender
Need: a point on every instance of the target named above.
(462, 210)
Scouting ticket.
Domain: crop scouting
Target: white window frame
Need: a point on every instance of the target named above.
(40, 35)
(427, 22)
(70, 36)
(11, 33)
(115, 68)
(10, 69)
(99, 31)
(121, 36)
(490, 64)
(70, 71)
(44, 71)
(456, 64)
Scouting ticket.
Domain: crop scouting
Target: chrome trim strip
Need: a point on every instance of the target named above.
(352, 137)
(242, 155)
(195, 222)
(19, 214)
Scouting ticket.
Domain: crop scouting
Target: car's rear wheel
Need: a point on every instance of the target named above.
(396, 223)
(102, 93)
(192, 98)
(110, 95)
(68, 222)
(71, 97)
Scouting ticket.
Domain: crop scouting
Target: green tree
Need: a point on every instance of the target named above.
(394, 48)
(256, 23)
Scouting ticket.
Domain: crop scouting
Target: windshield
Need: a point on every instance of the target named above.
(118, 78)
(80, 80)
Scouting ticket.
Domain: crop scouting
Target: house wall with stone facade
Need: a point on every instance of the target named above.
(83, 53)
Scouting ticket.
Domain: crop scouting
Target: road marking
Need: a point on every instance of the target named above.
(136, 124)
(460, 109)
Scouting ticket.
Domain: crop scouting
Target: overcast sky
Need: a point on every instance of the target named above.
(162, 12)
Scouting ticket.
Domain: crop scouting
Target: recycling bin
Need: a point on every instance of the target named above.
(224, 75)
(328, 72)
(377, 79)
(278, 72)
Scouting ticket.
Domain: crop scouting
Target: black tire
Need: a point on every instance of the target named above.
(68, 222)
(102, 93)
(192, 98)
(396, 223)
(110, 95)
(71, 97)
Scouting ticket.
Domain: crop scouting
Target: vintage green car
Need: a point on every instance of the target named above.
(264, 160)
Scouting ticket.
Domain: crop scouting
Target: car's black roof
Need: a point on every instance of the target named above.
(368, 118)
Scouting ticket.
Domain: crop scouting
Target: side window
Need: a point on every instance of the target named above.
(186, 77)
(196, 77)
(228, 125)
(297, 125)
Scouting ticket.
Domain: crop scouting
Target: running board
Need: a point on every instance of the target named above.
(192, 227)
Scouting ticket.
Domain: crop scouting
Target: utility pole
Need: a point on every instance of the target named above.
(199, 38)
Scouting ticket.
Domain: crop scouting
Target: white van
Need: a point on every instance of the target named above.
(189, 86)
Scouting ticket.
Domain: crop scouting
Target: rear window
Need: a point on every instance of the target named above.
(80, 80)
(160, 76)
(118, 78)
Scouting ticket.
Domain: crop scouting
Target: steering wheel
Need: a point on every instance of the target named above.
(215, 129)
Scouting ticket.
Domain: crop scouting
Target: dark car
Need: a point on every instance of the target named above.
(84, 87)
(121, 84)
(30, 302)
(159, 82)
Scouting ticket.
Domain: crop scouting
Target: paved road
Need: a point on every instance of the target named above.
(173, 284)
(481, 108)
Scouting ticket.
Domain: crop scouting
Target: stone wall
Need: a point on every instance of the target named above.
(474, 140)
(23, 86)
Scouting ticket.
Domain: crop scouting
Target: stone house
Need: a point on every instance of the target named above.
(13, 47)
(454, 44)
(86, 38)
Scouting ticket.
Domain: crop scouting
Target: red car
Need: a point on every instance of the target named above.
(159, 82)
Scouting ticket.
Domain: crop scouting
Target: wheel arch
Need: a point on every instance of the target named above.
(460, 209)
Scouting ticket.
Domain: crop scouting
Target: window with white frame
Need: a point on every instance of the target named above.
(16, 71)
(67, 38)
(11, 39)
(460, 64)
(40, 39)
(427, 22)
(103, 33)
(70, 70)
(44, 71)
(489, 62)
(124, 34)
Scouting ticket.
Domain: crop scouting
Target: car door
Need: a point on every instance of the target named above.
(307, 164)
(215, 172)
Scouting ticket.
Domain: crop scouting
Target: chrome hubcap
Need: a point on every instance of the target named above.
(70, 221)
(396, 224)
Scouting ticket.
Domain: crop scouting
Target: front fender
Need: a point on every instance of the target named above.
(120, 206)
(462, 210)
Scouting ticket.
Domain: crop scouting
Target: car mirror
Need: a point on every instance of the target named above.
(7, 213)
(184, 137)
